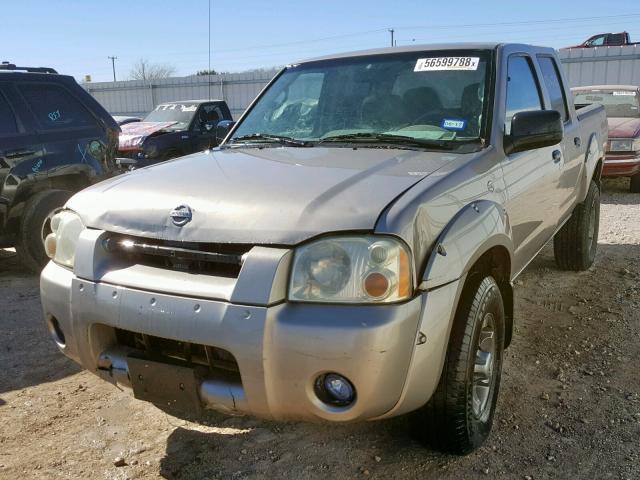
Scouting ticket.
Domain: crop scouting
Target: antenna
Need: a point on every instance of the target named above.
(209, 69)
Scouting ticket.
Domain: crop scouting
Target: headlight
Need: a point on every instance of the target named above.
(626, 145)
(128, 141)
(60, 245)
(366, 269)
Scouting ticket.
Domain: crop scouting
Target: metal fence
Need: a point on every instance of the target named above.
(584, 66)
(602, 65)
(139, 97)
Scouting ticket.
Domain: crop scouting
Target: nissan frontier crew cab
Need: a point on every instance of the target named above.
(348, 252)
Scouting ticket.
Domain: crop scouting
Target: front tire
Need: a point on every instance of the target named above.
(35, 227)
(634, 186)
(458, 417)
(575, 245)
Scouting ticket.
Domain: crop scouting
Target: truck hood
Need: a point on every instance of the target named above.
(133, 134)
(271, 195)
(624, 127)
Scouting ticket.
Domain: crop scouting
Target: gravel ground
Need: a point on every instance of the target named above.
(569, 405)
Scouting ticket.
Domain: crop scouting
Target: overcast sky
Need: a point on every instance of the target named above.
(76, 37)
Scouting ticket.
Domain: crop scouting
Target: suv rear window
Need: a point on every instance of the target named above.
(7, 119)
(54, 108)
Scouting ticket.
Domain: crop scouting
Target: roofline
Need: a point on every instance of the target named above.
(607, 87)
(191, 101)
(404, 49)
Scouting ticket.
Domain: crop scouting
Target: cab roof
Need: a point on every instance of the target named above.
(426, 47)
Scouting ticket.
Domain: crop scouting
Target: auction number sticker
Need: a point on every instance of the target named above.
(623, 93)
(446, 63)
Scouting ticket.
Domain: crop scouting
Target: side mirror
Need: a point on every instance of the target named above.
(210, 125)
(222, 129)
(535, 129)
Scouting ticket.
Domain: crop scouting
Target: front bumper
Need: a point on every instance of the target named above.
(621, 164)
(391, 354)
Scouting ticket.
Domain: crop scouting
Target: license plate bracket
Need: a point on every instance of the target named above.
(169, 386)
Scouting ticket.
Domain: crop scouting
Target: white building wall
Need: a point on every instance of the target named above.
(602, 65)
(137, 97)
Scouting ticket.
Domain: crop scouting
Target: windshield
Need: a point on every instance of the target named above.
(182, 113)
(617, 103)
(429, 96)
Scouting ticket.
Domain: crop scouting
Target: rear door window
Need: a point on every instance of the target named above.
(8, 124)
(551, 78)
(54, 107)
(523, 94)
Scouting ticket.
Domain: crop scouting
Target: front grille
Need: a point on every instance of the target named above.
(218, 361)
(223, 260)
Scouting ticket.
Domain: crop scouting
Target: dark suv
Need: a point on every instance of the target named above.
(173, 129)
(55, 139)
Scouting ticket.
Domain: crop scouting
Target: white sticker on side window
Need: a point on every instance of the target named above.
(630, 94)
(446, 63)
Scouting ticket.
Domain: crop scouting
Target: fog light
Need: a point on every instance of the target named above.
(334, 389)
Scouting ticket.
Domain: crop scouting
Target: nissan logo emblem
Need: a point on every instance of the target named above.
(181, 215)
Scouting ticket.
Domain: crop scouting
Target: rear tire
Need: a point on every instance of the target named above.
(634, 186)
(35, 226)
(575, 245)
(458, 417)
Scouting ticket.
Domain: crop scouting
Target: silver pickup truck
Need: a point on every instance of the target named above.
(347, 253)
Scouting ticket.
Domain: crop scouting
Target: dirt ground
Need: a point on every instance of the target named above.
(569, 405)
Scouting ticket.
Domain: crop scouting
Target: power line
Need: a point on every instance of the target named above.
(527, 22)
(415, 27)
(315, 40)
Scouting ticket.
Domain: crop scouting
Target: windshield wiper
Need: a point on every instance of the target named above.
(268, 138)
(388, 138)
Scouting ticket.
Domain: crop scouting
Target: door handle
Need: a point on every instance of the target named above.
(557, 156)
(577, 142)
(18, 153)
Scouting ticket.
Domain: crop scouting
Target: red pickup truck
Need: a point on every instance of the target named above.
(621, 103)
(607, 40)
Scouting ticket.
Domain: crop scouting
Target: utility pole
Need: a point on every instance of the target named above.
(391, 30)
(113, 65)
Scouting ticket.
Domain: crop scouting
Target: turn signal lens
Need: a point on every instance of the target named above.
(50, 245)
(404, 283)
(376, 285)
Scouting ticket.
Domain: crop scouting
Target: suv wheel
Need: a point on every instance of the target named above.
(458, 417)
(36, 225)
(635, 184)
(575, 245)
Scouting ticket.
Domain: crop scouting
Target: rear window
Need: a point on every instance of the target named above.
(617, 103)
(7, 119)
(54, 107)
